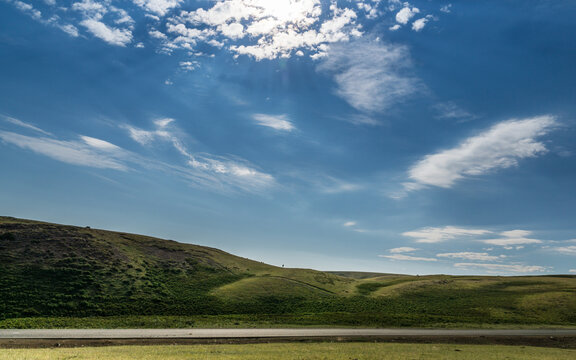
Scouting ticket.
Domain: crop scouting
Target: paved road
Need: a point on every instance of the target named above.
(266, 333)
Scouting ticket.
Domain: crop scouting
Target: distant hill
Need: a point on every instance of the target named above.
(361, 274)
(51, 270)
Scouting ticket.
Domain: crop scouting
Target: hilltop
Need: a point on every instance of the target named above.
(58, 271)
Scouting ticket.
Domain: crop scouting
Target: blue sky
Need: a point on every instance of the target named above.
(375, 135)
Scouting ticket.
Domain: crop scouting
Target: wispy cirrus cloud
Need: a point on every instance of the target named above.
(513, 237)
(499, 268)
(276, 122)
(565, 250)
(403, 257)
(475, 256)
(399, 254)
(219, 173)
(224, 174)
(403, 249)
(23, 124)
(500, 147)
(370, 76)
(50, 20)
(88, 151)
(450, 110)
(436, 234)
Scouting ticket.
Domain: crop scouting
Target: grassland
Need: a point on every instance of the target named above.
(309, 351)
(55, 276)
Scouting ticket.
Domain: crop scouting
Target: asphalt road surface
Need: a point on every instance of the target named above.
(270, 333)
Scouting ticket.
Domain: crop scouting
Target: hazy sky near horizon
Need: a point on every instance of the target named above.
(375, 135)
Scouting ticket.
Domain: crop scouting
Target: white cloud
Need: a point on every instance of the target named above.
(70, 30)
(419, 24)
(395, 27)
(277, 122)
(446, 8)
(329, 184)
(472, 256)
(233, 31)
(402, 250)
(435, 235)
(228, 173)
(361, 119)
(499, 147)
(23, 124)
(189, 65)
(499, 268)
(276, 29)
(350, 223)
(113, 36)
(37, 15)
(565, 250)
(157, 34)
(99, 144)
(159, 7)
(573, 271)
(105, 21)
(405, 14)
(83, 153)
(28, 9)
(513, 237)
(371, 76)
(91, 9)
(406, 257)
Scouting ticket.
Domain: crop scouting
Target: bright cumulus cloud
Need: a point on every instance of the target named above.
(261, 29)
(269, 29)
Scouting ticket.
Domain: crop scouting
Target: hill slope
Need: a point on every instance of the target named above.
(50, 270)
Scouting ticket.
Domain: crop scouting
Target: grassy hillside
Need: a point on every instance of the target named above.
(56, 271)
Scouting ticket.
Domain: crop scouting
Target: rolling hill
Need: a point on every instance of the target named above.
(54, 271)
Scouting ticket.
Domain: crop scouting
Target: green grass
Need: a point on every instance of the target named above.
(64, 276)
(309, 351)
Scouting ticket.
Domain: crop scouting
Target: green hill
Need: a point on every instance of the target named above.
(57, 271)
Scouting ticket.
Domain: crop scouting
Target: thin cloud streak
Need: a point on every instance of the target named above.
(23, 124)
(475, 256)
(402, 257)
(501, 267)
(71, 152)
(436, 235)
